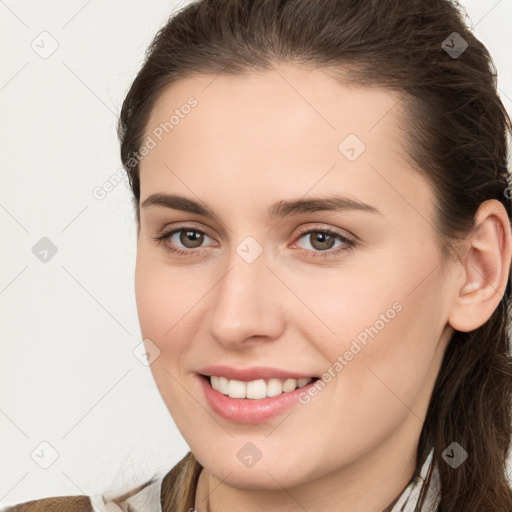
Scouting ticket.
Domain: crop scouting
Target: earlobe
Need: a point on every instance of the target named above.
(486, 268)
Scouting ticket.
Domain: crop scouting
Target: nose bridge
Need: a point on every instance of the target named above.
(245, 302)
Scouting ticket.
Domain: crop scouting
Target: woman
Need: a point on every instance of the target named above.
(324, 248)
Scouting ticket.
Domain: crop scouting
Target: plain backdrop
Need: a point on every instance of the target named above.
(79, 411)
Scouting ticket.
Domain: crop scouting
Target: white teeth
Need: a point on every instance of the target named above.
(274, 387)
(236, 389)
(256, 389)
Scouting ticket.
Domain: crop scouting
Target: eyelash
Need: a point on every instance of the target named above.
(349, 243)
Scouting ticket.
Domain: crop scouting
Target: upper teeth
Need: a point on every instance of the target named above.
(256, 389)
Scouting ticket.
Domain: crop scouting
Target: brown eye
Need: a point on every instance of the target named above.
(191, 238)
(321, 240)
(186, 241)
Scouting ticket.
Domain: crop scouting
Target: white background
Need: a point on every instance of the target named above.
(68, 374)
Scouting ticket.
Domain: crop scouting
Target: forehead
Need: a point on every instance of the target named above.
(281, 104)
(286, 127)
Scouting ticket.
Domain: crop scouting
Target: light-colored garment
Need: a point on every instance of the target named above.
(148, 498)
(426, 483)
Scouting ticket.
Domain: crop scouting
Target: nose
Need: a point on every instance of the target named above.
(246, 305)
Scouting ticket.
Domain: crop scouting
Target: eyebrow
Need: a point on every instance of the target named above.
(277, 210)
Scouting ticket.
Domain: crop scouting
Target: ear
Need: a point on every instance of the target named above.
(486, 268)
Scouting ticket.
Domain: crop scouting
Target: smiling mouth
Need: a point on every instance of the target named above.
(256, 389)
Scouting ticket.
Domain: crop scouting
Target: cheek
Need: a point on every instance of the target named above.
(389, 304)
(161, 304)
(171, 304)
(383, 362)
(342, 305)
(164, 295)
(384, 329)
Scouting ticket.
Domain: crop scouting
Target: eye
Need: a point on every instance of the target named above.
(192, 239)
(323, 240)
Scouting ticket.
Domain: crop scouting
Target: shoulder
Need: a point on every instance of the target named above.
(137, 499)
(54, 504)
(146, 496)
(141, 498)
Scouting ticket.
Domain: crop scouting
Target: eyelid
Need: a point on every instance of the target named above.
(335, 231)
(349, 240)
(167, 230)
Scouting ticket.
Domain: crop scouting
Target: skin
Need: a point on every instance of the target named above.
(250, 142)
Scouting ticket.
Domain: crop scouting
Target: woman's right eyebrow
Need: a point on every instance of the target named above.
(277, 210)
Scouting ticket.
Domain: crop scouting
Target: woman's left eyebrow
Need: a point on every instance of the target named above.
(277, 210)
(317, 204)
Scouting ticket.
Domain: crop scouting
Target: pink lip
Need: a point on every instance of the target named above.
(254, 373)
(246, 410)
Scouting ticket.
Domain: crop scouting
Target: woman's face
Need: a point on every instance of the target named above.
(261, 286)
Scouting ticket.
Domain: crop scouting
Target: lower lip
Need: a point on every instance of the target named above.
(247, 410)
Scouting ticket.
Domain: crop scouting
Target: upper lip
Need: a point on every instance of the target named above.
(253, 373)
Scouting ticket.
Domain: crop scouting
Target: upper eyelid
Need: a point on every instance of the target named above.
(184, 227)
(303, 231)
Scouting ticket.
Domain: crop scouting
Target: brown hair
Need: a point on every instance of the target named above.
(456, 128)
(55, 504)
